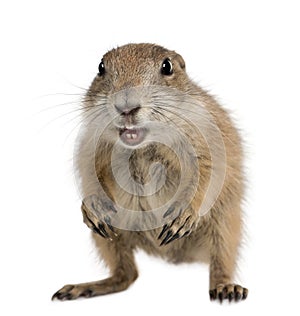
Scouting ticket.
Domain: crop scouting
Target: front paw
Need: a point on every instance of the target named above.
(96, 215)
(181, 226)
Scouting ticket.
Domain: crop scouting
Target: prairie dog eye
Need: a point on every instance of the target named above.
(167, 67)
(101, 69)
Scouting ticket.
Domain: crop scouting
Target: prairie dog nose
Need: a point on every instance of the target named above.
(128, 109)
(128, 102)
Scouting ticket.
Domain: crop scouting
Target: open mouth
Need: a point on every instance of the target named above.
(132, 136)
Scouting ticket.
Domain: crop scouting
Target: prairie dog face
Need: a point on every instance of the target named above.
(136, 86)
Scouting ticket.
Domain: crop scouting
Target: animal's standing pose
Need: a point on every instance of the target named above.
(139, 88)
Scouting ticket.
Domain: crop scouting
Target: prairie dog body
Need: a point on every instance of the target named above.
(160, 168)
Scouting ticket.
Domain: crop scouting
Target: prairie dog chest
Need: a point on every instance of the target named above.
(142, 179)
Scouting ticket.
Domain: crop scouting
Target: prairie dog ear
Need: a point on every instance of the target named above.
(180, 60)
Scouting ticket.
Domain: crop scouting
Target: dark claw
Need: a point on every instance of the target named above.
(176, 236)
(220, 297)
(103, 231)
(185, 234)
(97, 231)
(213, 294)
(163, 231)
(238, 296)
(94, 229)
(57, 295)
(225, 293)
(108, 223)
(245, 294)
(230, 296)
(169, 211)
(168, 236)
(62, 296)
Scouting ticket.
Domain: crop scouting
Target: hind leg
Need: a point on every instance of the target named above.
(119, 258)
(225, 239)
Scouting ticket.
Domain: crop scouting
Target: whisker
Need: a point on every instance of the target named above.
(165, 106)
(168, 119)
(92, 115)
(81, 101)
(164, 102)
(52, 107)
(176, 114)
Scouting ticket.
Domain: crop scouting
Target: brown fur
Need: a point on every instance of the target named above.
(213, 238)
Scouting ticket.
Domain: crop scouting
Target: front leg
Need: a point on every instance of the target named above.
(96, 213)
(186, 221)
(184, 218)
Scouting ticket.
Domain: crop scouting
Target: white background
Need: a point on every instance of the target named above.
(245, 52)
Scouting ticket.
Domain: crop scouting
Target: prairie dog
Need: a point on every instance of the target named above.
(159, 165)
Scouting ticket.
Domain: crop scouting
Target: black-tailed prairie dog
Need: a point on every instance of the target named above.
(159, 167)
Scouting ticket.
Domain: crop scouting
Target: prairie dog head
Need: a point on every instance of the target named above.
(137, 87)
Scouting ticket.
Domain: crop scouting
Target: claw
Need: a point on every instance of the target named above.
(238, 296)
(176, 236)
(185, 234)
(62, 296)
(163, 231)
(108, 223)
(245, 294)
(97, 231)
(93, 227)
(213, 294)
(54, 296)
(220, 297)
(230, 296)
(103, 231)
(168, 236)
